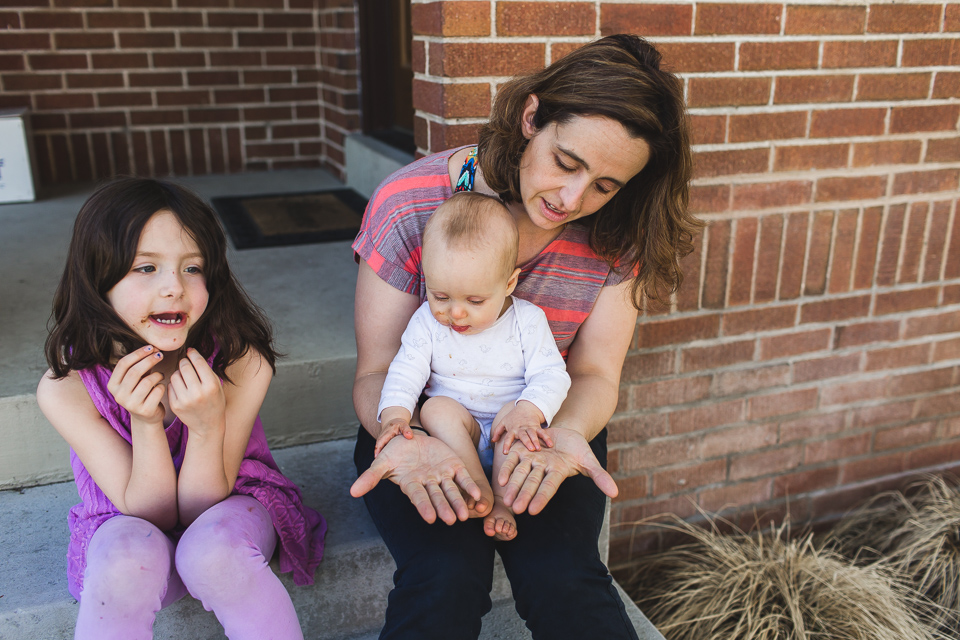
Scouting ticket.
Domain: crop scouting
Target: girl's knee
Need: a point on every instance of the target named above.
(128, 560)
(439, 407)
(441, 413)
(221, 551)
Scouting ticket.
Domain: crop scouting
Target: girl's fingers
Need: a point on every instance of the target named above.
(177, 385)
(382, 442)
(544, 435)
(140, 369)
(508, 439)
(189, 373)
(203, 370)
(127, 361)
(154, 397)
(174, 390)
(145, 386)
(532, 444)
(132, 367)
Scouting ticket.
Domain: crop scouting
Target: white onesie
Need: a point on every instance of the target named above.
(515, 359)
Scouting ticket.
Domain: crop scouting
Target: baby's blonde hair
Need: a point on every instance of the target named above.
(476, 221)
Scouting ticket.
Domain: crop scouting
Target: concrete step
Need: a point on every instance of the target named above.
(347, 600)
(306, 291)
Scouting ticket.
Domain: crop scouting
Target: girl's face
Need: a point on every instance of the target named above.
(464, 292)
(570, 170)
(165, 292)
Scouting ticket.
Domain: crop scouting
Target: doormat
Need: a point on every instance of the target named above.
(286, 219)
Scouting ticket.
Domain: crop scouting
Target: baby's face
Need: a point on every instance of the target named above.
(466, 288)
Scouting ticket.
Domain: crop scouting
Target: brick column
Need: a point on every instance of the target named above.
(463, 49)
(811, 359)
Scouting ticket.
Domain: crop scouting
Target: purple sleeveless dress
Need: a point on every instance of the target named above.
(300, 529)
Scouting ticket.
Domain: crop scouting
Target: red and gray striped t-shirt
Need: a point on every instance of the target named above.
(564, 279)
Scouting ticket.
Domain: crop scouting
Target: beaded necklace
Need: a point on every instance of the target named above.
(468, 172)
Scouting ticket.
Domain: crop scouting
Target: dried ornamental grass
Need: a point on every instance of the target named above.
(919, 539)
(768, 587)
(864, 534)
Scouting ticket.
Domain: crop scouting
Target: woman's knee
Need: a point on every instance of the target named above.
(447, 578)
(553, 568)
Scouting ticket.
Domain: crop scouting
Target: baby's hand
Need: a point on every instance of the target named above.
(196, 395)
(391, 429)
(135, 388)
(522, 423)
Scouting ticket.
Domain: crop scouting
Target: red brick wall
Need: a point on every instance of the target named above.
(161, 87)
(813, 354)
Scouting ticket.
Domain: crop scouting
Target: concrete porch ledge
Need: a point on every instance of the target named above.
(347, 600)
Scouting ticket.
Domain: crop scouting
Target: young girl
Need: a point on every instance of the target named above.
(158, 365)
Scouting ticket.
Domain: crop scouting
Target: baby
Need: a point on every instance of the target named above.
(488, 360)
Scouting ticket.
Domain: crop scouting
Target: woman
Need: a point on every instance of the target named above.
(591, 155)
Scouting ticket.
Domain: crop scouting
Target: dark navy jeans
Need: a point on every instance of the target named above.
(444, 573)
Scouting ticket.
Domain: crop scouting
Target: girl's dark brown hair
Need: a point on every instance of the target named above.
(646, 226)
(86, 331)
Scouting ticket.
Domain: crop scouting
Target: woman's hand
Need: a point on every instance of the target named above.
(531, 478)
(135, 388)
(428, 472)
(196, 396)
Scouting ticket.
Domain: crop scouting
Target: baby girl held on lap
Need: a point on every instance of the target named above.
(487, 361)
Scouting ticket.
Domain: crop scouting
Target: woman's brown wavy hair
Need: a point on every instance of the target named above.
(86, 331)
(646, 226)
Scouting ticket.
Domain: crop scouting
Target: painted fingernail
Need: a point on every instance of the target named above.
(148, 348)
(159, 355)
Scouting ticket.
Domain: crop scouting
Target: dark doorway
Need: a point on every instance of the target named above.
(386, 72)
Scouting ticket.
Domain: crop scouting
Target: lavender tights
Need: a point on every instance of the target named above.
(134, 570)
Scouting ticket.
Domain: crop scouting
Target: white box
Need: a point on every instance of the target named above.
(16, 168)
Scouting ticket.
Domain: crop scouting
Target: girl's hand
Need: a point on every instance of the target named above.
(391, 429)
(521, 422)
(135, 388)
(196, 395)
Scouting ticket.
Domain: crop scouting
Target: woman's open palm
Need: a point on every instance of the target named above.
(531, 478)
(429, 473)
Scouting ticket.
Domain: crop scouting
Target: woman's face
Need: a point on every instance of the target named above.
(570, 170)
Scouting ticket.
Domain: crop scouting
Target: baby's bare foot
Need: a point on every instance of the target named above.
(500, 524)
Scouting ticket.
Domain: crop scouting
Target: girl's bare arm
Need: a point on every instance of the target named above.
(139, 479)
(220, 420)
